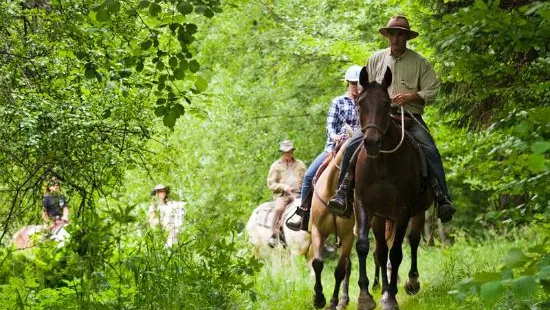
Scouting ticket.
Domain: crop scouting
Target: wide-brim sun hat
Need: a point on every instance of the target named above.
(286, 146)
(158, 188)
(398, 23)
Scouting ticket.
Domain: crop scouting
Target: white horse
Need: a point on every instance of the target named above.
(259, 229)
(31, 235)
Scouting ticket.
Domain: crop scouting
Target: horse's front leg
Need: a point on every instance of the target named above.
(341, 273)
(413, 285)
(317, 241)
(365, 301)
(389, 301)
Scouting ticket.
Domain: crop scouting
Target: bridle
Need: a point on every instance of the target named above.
(383, 131)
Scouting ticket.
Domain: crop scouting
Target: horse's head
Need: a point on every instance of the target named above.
(374, 109)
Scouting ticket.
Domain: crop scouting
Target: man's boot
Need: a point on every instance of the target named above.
(342, 202)
(300, 219)
(445, 209)
(273, 241)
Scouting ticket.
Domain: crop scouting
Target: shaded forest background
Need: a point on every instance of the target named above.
(114, 97)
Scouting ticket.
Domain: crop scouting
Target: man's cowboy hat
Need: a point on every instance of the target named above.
(398, 23)
(286, 146)
(158, 188)
(54, 181)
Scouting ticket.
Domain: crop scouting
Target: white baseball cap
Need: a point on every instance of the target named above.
(352, 74)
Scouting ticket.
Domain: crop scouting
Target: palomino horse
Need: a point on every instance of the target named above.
(323, 224)
(24, 237)
(389, 187)
(259, 229)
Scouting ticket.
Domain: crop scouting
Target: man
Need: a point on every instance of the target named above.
(343, 110)
(166, 212)
(284, 180)
(414, 85)
(55, 205)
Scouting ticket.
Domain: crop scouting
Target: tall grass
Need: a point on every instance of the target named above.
(287, 283)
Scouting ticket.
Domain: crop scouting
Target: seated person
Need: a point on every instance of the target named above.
(55, 204)
(284, 180)
(166, 212)
(343, 110)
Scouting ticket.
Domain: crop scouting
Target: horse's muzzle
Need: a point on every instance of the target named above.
(372, 145)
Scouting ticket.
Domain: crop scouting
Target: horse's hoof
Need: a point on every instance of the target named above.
(344, 302)
(365, 302)
(389, 302)
(412, 286)
(319, 301)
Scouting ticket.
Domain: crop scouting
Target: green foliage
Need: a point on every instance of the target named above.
(125, 265)
(524, 274)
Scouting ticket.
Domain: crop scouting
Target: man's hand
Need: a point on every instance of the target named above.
(404, 98)
(289, 189)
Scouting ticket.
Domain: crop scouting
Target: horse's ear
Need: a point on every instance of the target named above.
(363, 77)
(386, 82)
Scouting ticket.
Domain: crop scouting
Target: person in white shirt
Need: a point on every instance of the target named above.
(167, 213)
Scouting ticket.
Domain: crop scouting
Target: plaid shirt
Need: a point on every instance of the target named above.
(342, 111)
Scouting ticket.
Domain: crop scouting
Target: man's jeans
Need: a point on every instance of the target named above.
(423, 137)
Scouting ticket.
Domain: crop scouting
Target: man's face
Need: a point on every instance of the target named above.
(161, 193)
(287, 155)
(397, 40)
(55, 187)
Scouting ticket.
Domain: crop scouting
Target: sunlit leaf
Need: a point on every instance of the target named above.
(524, 285)
(491, 292)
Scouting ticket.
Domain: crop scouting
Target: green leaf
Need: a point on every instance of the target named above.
(524, 285)
(160, 65)
(535, 163)
(113, 6)
(201, 84)
(125, 72)
(483, 277)
(154, 9)
(178, 109)
(515, 258)
(143, 4)
(103, 15)
(540, 147)
(89, 73)
(160, 111)
(169, 120)
(173, 62)
(106, 113)
(544, 272)
(146, 44)
(179, 73)
(491, 292)
(139, 66)
(184, 7)
(194, 66)
(208, 13)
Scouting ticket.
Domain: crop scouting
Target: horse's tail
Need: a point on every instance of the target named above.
(390, 231)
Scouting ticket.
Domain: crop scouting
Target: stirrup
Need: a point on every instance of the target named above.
(294, 225)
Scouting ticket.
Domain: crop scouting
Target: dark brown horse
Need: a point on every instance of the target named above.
(389, 188)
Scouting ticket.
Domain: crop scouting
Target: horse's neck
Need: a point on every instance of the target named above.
(326, 184)
(392, 137)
